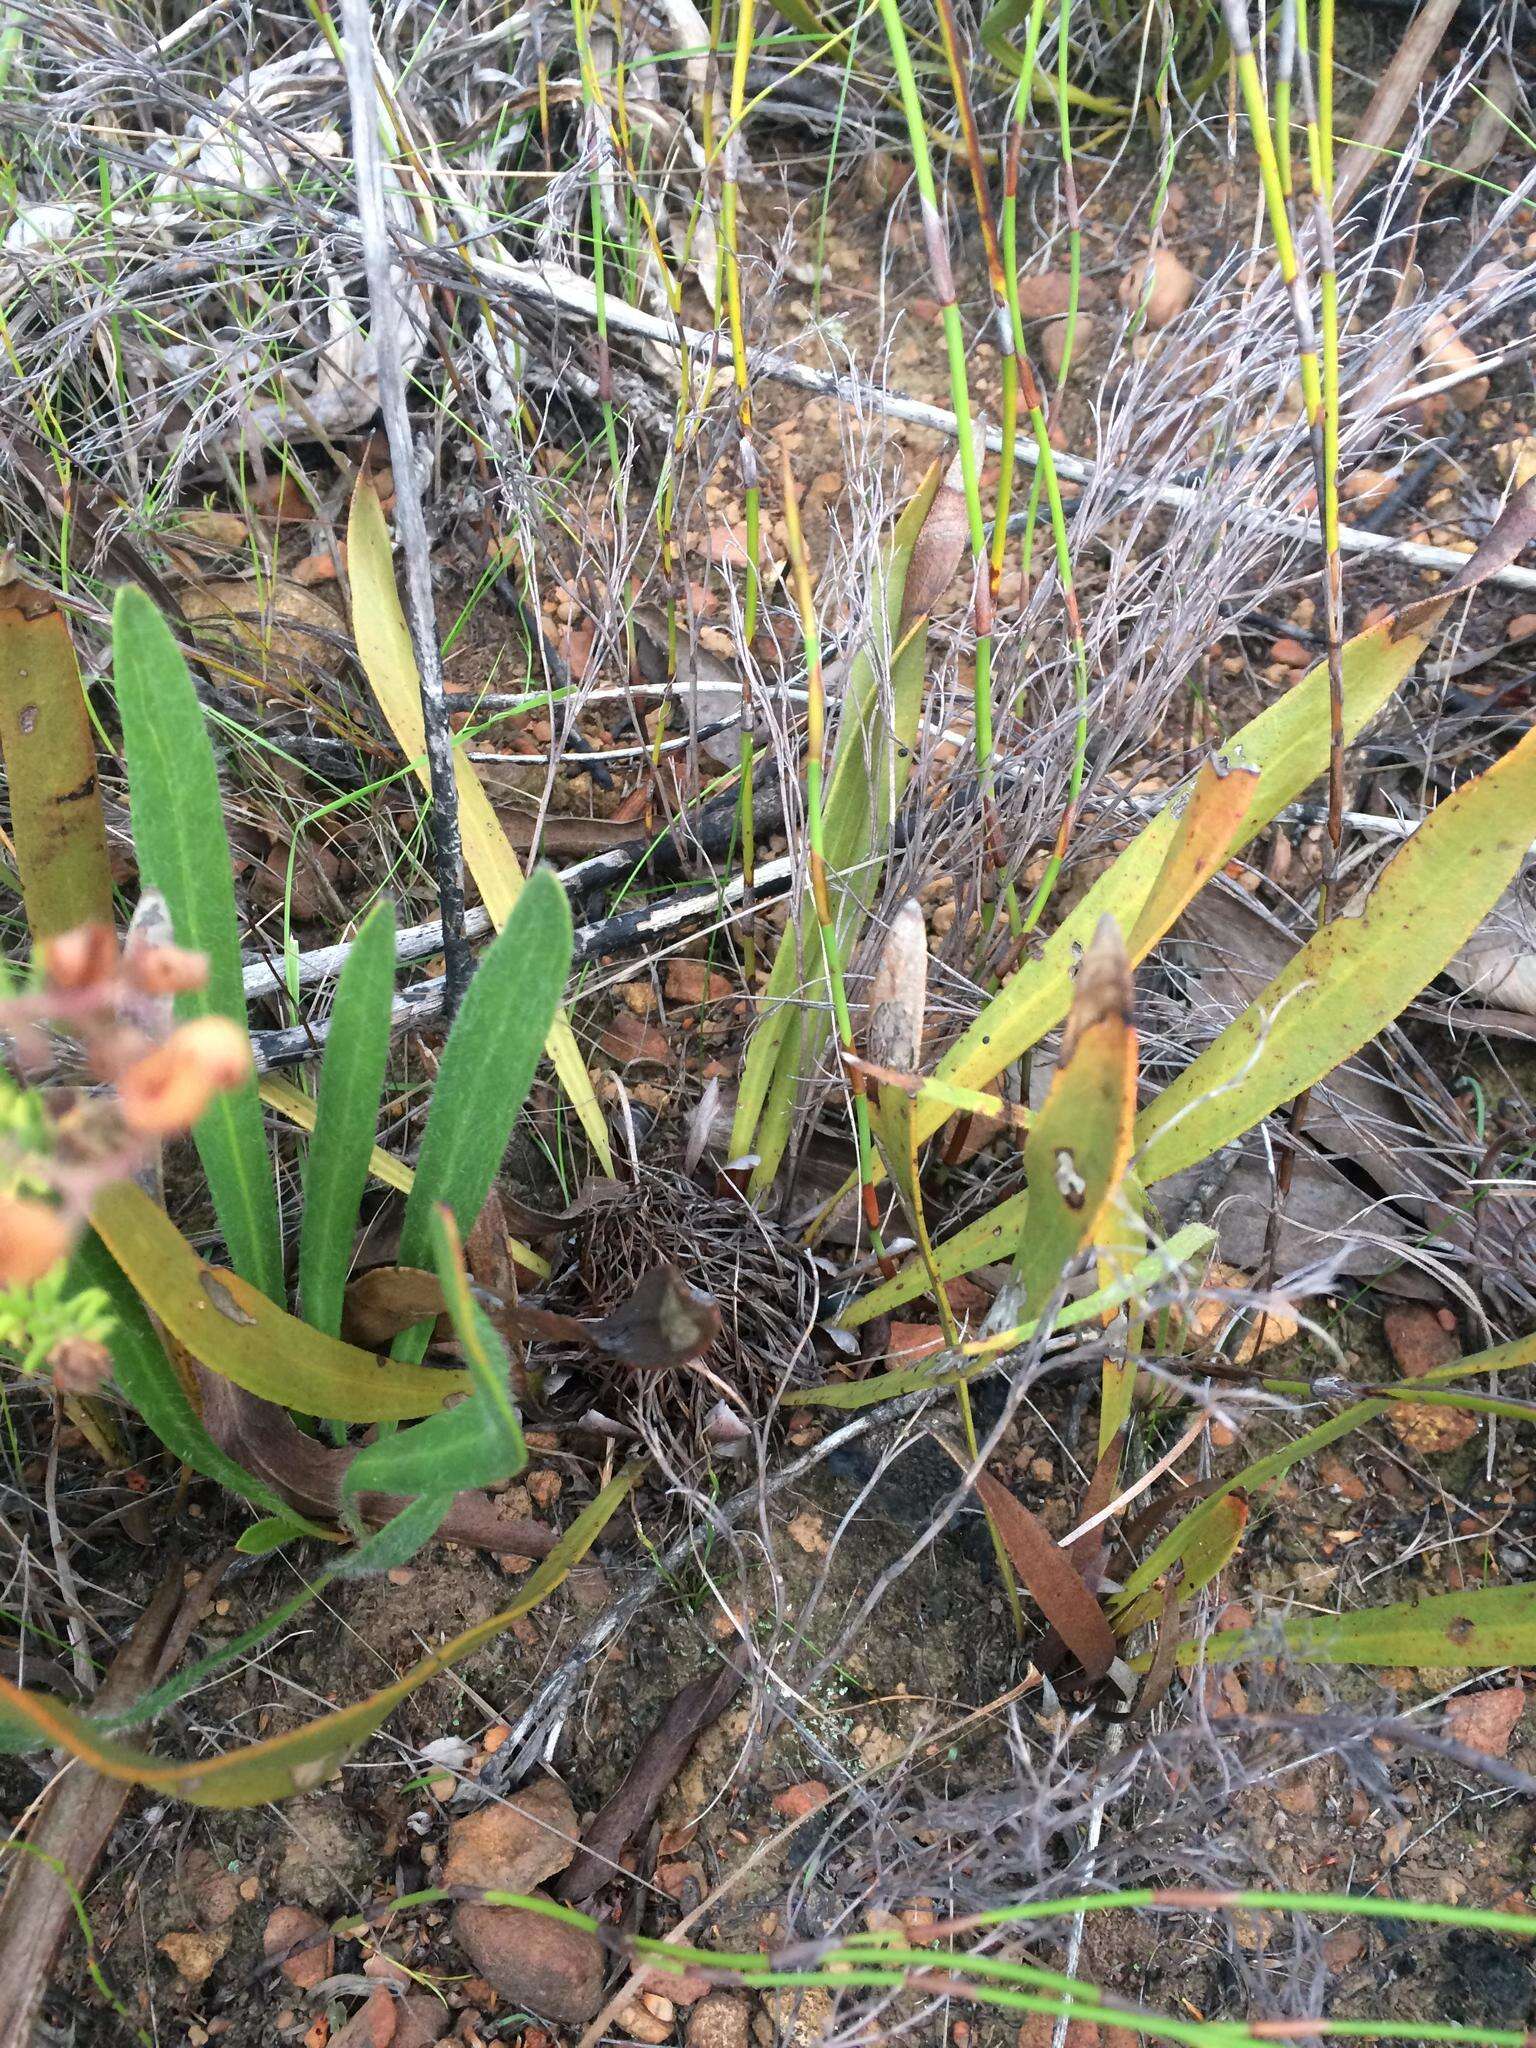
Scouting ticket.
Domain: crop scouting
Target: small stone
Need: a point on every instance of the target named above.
(1485, 1721)
(1172, 289)
(371, 2026)
(1343, 1948)
(796, 1801)
(631, 1040)
(1521, 627)
(420, 2020)
(1053, 342)
(553, 1969)
(515, 1844)
(638, 997)
(310, 1965)
(544, 1489)
(691, 981)
(1045, 296)
(1290, 654)
(195, 1954)
(1364, 489)
(642, 2023)
(1418, 1340)
(721, 2020)
(795, 2019)
(909, 1342)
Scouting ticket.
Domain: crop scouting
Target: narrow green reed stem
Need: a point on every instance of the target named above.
(877, 1960)
(1285, 66)
(821, 895)
(1012, 150)
(751, 488)
(1068, 191)
(960, 397)
(1320, 163)
(1252, 88)
(1045, 478)
(592, 101)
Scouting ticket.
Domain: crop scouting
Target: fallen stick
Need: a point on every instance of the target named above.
(422, 1006)
(573, 294)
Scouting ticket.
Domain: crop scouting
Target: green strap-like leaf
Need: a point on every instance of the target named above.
(178, 829)
(871, 763)
(487, 1066)
(1473, 1631)
(346, 1117)
(58, 829)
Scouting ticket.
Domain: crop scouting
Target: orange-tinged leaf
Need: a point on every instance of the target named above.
(1078, 1146)
(305, 1756)
(233, 1329)
(57, 823)
(1288, 744)
(1211, 824)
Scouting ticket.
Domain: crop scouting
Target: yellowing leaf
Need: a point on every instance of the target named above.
(1207, 830)
(1480, 1630)
(57, 823)
(389, 662)
(1157, 1267)
(305, 1756)
(1355, 975)
(1288, 744)
(1076, 1152)
(233, 1329)
(983, 1242)
(1208, 1546)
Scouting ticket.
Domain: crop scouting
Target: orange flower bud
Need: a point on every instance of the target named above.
(168, 1090)
(80, 1365)
(80, 959)
(33, 1239)
(164, 970)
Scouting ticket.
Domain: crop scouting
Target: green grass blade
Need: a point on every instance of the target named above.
(178, 828)
(871, 762)
(346, 1117)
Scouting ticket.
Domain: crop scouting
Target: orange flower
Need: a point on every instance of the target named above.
(168, 1090)
(164, 970)
(80, 959)
(33, 1239)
